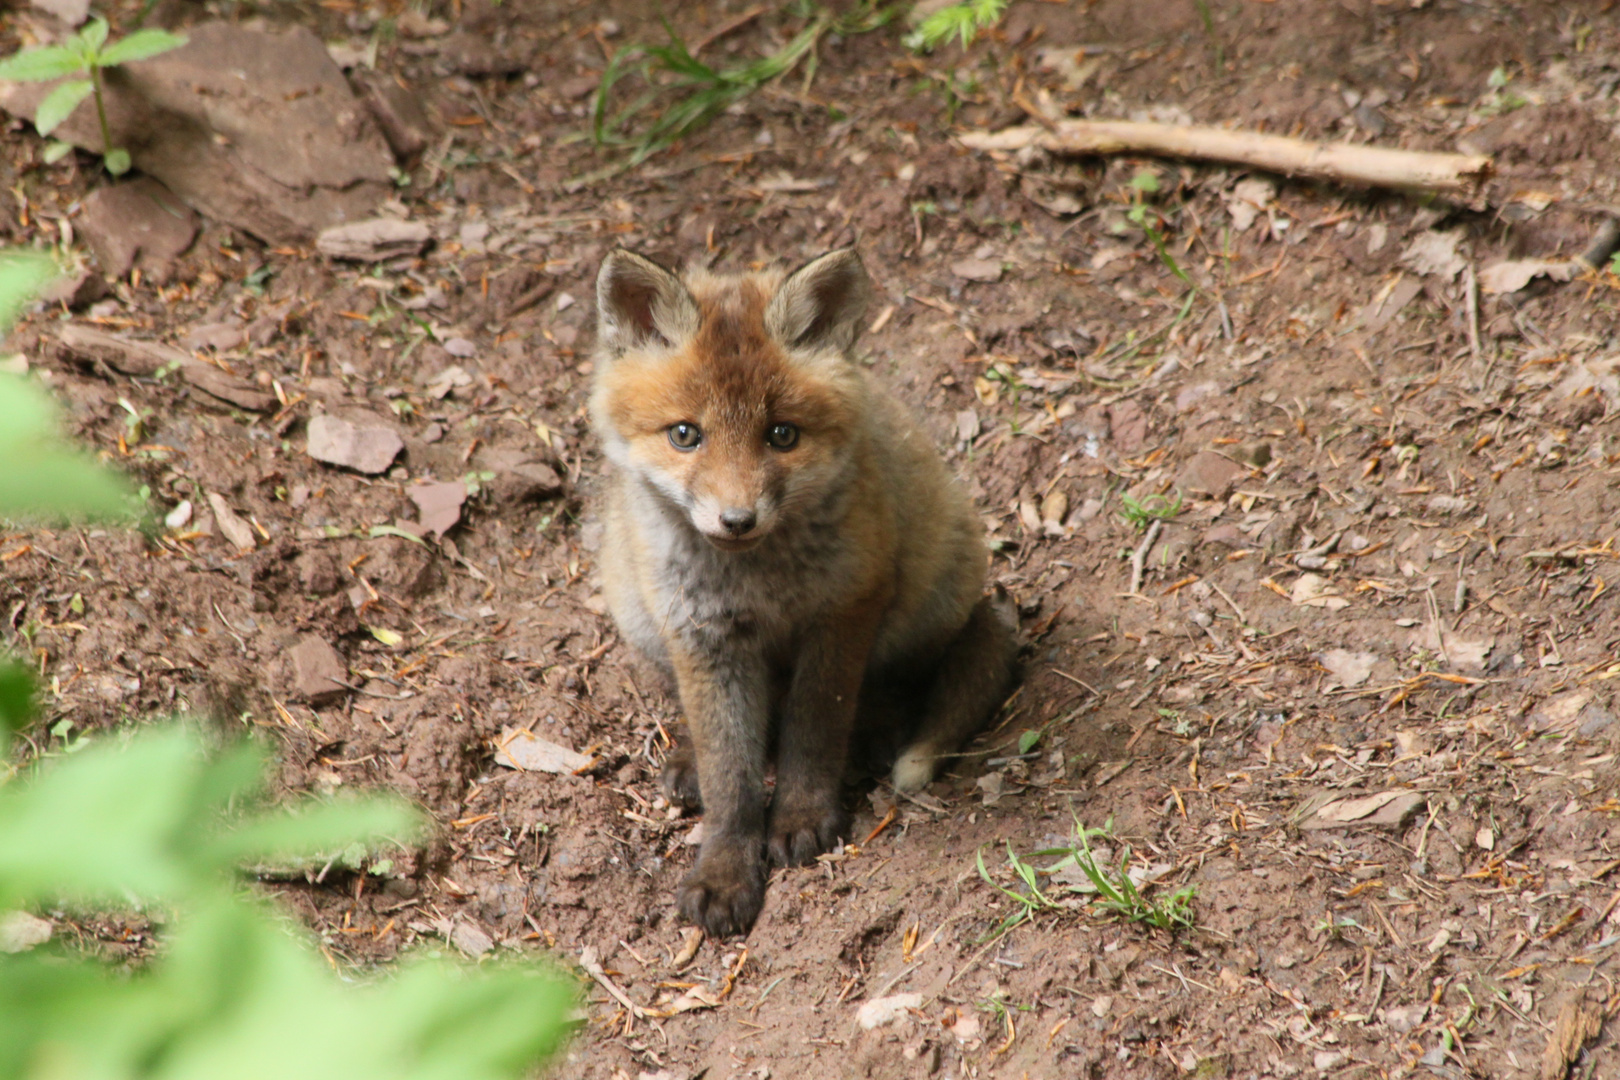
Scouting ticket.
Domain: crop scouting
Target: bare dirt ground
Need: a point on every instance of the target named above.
(1390, 577)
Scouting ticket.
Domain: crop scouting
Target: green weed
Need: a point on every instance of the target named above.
(85, 53)
(1139, 513)
(699, 92)
(1110, 888)
(964, 22)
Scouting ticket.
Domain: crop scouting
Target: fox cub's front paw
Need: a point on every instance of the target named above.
(800, 833)
(723, 894)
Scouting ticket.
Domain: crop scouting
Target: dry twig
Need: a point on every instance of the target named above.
(1351, 163)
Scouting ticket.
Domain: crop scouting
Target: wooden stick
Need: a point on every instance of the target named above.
(1375, 166)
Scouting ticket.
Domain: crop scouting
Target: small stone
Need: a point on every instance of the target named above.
(137, 223)
(1211, 474)
(986, 270)
(368, 447)
(529, 481)
(318, 671)
(438, 506)
(373, 240)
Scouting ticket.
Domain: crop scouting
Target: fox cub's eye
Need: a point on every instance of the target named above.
(684, 436)
(782, 436)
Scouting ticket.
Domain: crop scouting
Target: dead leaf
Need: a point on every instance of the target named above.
(883, 1011)
(1313, 590)
(1435, 254)
(1515, 274)
(1578, 1023)
(519, 748)
(450, 379)
(1351, 668)
(20, 931)
(1248, 198)
(237, 531)
(1560, 713)
(1385, 808)
(691, 942)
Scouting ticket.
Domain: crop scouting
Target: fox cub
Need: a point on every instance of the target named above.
(783, 541)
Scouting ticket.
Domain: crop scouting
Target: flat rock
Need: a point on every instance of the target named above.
(368, 447)
(146, 358)
(527, 481)
(318, 671)
(373, 240)
(253, 127)
(438, 506)
(137, 223)
(1211, 474)
(397, 111)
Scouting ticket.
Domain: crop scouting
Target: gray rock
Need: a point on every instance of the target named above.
(318, 671)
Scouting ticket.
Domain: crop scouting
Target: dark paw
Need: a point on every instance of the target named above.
(723, 896)
(799, 834)
(680, 777)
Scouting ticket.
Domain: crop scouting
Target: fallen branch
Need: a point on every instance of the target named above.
(1374, 166)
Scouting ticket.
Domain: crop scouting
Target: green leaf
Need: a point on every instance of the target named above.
(319, 828)
(117, 162)
(16, 698)
(60, 103)
(93, 37)
(22, 276)
(1028, 741)
(394, 530)
(139, 46)
(55, 151)
(42, 64)
(45, 483)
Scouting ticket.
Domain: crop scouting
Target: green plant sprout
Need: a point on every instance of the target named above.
(1112, 888)
(85, 53)
(1143, 216)
(964, 22)
(1139, 513)
(702, 92)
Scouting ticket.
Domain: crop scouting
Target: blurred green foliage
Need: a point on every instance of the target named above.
(156, 821)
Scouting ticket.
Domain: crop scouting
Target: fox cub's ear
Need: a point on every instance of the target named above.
(638, 301)
(821, 303)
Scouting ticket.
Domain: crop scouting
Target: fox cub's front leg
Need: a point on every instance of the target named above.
(725, 692)
(807, 814)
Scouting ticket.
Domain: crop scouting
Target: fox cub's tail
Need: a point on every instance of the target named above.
(974, 676)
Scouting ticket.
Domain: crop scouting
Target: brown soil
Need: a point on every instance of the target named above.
(1463, 466)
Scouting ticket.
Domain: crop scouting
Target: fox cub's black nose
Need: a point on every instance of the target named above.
(738, 522)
